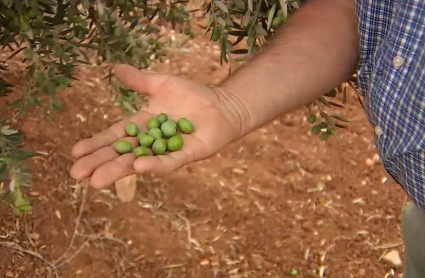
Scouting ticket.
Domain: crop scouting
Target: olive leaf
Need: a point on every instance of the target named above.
(246, 18)
(251, 5)
(340, 117)
(260, 30)
(22, 154)
(3, 171)
(271, 15)
(284, 8)
(239, 4)
(221, 21)
(222, 6)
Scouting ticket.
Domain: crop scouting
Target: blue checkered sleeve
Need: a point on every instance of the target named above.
(391, 76)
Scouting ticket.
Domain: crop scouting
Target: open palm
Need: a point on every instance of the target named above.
(214, 125)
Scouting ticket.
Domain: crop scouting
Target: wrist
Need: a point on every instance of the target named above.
(237, 113)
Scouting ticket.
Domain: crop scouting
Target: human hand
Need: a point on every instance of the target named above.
(211, 112)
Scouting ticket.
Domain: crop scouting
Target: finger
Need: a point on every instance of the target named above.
(141, 82)
(99, 140)
(113, 170)
(85, 166)
(162, 163)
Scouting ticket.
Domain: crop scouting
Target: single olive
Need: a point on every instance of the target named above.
(324, 136)
(311, 119)
(277, 21)
(159, 146)
(185, 126)
(132, 129)
(140, 134)
(323, 125)
(142, 151)
(173, 123)
(162, 118)
(146, 140)
(118, 31)
(153, 123)
(169, 128)
(280, 13)
(156, 133)
(215, 34)
(122, 146)
(175, 143)
(315, 129)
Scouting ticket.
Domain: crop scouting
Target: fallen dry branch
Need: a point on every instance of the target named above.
(13, 245)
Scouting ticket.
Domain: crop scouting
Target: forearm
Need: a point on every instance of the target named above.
(315, 50)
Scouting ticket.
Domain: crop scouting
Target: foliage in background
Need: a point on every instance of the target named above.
(57, 36)
(254, 22)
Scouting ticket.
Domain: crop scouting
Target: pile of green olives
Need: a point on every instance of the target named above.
(162, 135)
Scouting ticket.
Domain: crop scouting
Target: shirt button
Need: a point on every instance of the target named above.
(398, 61)
(378, 131)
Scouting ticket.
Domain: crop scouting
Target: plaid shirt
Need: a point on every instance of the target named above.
(391, 77)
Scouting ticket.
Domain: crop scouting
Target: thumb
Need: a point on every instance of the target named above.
(141, 82)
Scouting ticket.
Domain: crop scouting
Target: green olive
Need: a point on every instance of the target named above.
(118, 31)
(132, 129)
(140, 134)
(323, 125)
(153, 123)
(185, 126)
(277, 21)
(173, 123)
(316, 129)
(122, 146)
(162, 118)
(142, 151)
(146, 140)
(175, 143)
(280, 13)
(324, 136)
(169, 128)
(159, 146)
(311, 119)
(215, 34)
(156, 133)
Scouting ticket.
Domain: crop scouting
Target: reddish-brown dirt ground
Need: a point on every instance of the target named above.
(276, 201)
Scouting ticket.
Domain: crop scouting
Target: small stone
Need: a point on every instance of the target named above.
(376, 158)
(10, 274)
(369, 162)
(393, 258)
(125, 188)
(204, 262)
(362, 272)
(21, 268)
(238, 171)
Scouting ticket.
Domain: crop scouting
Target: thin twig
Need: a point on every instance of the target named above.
(77, 223)
(12, 245)
(390, 245)
(188, 227)
(95, 237)
(73, 255)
